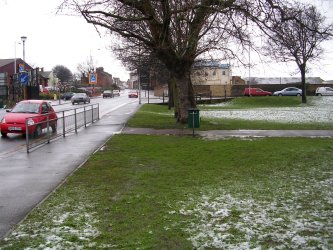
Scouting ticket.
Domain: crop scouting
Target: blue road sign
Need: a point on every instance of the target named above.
(24, 78)
(92, 78)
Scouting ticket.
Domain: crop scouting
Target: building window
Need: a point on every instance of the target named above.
(214, 73)
(223, 72)
(206, 73)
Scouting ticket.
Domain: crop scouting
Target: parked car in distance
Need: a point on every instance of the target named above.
(67, 96)
(36, 111)
(107, 93)
(324, 91)
(256, 92)
(133, 94)
(290, 91)
(116, 92)
(80, 97)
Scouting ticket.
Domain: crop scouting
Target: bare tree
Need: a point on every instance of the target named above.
(86, 67)
(178, 32)
(298, 40)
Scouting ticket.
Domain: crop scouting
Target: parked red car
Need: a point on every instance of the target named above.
(36, 111)
(133, 94)
(256, 92)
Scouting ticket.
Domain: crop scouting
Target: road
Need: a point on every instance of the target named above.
(14, 143)
(26, 179)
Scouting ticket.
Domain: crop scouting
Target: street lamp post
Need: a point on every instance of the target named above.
(25, 90)
(23, 39)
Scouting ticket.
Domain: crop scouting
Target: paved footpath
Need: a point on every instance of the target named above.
(232, 133)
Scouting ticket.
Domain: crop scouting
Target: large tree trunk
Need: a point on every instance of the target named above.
(303, 84)
(185, 96)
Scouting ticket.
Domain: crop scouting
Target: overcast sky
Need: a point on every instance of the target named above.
(63, 40)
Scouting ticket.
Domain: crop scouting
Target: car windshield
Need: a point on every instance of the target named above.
(80, 95)
(26, 108)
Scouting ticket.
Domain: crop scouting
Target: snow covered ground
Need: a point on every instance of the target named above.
(224, 221)
(320, 111)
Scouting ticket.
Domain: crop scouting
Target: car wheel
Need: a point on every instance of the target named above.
(38, 131)
(279, 94)
(4, 134)
(298, 94)
(319, 94)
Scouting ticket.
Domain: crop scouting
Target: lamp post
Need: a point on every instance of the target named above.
(23, 39)
(25, 90)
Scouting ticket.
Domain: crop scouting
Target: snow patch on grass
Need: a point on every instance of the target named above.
(220, 220)
(320, 111)
(72, 229)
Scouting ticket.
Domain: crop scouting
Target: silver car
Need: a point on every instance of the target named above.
(324, 91)
(80, 97)
(291, 91)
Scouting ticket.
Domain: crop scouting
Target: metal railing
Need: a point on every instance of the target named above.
(67, 121)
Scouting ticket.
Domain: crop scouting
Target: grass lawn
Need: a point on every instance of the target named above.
(168, 192)
(159, 117)
(259, 102)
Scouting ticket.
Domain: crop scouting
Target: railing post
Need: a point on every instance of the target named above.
(92, 113)
(27, 134)
(48, 128)
(63, 124)
(85, 117)
(75, 121)
(97, 111)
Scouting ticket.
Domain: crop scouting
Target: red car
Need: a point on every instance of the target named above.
(133, 94)
(256, 92)
(36, 111)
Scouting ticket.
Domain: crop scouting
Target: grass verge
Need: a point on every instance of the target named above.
(159, 117)
(259, 102)
(167, 192)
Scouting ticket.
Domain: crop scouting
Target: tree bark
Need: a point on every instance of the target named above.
(302, 68)
(185, 94)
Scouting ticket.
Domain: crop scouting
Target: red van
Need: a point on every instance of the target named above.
(256, 92)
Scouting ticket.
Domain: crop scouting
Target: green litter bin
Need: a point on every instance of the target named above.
(193, 120)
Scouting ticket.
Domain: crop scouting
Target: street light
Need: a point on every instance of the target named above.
(23, 39)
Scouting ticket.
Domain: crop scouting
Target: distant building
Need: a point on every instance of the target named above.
(211, 72)
(12, 66)
(104, 79)
(47, 79)
(237, 80)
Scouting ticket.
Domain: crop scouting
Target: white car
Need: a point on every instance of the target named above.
(324, 91)
(116, 92)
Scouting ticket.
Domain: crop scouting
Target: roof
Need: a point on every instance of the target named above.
(210, 64)
(45, 74)
(4, 62)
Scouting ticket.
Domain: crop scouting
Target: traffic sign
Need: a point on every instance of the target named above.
(24, 78)
(21, 67)
(92, 78)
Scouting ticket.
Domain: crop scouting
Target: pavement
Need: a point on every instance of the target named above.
(27, 179)
(232, 133)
